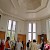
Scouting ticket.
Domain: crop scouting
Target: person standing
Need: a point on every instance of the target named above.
(42, 45)
(0, 45)
(23, 44)
(19, 45)
(7, 44)
(33, 45)
(28, 44)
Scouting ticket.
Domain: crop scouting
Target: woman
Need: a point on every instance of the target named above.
(7, 44)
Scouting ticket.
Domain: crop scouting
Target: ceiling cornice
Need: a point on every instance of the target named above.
(11, 15)
(4, 13)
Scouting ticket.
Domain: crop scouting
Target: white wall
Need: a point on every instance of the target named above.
(4, 22)
(38, 27)
(22, 26)
(26, 28)
(48, 29)
(41, 27)
(44, 27)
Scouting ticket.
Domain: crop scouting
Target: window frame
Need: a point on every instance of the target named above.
(32, 31)
(11, 29)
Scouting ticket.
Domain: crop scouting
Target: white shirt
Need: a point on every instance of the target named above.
(33, 46)
(19, 45)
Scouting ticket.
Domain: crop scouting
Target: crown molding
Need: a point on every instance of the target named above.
(11, 15)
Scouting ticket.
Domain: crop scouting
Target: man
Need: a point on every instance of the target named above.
(19, 45)
(28, 44)
(42, 45)
(33, 45)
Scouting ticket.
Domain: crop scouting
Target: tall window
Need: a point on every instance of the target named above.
(32, 31)
(11, 29)
(29, 32)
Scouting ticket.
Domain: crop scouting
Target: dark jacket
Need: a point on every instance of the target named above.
(27, 44)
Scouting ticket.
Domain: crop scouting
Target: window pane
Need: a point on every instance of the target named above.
(29, 27)
(12, 36)
(29, 36)
(8, 34)
(9, 24)
(14, 24)
(34, 35)
(34, 27)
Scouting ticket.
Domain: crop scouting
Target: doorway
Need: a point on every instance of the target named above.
(22, 38)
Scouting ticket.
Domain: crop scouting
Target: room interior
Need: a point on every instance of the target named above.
(25, 12)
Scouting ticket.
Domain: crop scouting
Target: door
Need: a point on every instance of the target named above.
(2, 35)
(22, 38)
(39, 39)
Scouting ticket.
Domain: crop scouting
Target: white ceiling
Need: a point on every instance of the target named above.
(29, 4)
(26, 9)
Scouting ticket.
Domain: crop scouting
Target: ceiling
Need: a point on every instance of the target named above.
(29, 4)
(26, 9)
